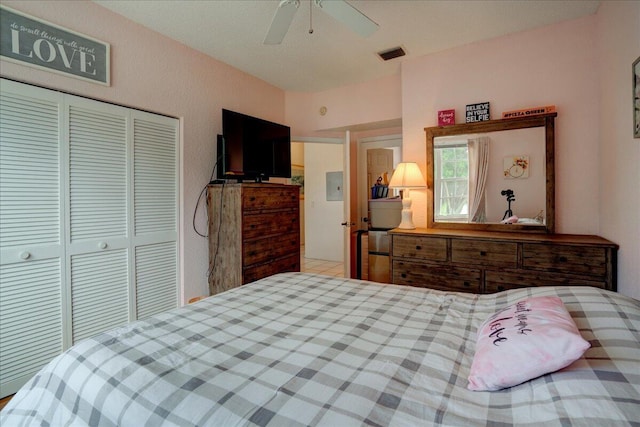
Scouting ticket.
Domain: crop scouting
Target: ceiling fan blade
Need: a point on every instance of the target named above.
(281, 21)
(349, 16)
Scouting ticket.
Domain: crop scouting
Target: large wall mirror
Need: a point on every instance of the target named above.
(496, 175)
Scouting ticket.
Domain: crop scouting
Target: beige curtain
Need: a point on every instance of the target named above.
(478, 170)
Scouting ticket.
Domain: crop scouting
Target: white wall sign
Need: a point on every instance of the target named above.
(37, 43)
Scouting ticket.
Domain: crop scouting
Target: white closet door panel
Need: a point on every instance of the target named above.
(31, 242)
(98, 245)
(97, 173)
(99, 292)
(156, 278)
(29, 170)
(30, 320)
(29, 253)
(155, 175)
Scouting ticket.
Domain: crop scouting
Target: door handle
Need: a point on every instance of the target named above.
(348, 224)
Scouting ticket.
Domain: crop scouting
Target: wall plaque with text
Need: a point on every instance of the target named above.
(477, 112)
(31, 41)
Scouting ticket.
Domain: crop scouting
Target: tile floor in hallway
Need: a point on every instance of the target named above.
(310, 265)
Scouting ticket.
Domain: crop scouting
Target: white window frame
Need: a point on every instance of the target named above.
(438, 196)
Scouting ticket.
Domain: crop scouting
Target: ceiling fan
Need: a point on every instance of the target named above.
(338, 9)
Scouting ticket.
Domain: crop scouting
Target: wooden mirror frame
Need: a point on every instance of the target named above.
(544, 120)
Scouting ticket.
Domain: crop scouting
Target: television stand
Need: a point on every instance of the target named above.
(254, 232)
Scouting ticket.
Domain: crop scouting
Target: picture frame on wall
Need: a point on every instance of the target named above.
(636, 98)
(36, 43)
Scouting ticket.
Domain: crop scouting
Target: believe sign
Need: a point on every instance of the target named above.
(27, 40)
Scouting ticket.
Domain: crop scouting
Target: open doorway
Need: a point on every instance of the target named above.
(323, 201)
(321, 163)
(377, 156)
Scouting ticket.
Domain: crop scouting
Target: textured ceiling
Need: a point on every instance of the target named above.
(232, 31)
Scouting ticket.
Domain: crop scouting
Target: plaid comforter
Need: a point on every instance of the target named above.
(299, 349)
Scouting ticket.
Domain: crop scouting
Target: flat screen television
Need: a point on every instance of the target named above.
(253, 149)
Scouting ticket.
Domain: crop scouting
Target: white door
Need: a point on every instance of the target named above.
(98, 249)
(31, 233)
(155, 214)
(347, 224)
(123, 205)
(88, 222)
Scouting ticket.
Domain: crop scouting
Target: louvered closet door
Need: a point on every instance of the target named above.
(98, 248)
(155, 176)
(88, 222)
(31, 240)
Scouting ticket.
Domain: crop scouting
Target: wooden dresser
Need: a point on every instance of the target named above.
(487, 262)
(254, 232)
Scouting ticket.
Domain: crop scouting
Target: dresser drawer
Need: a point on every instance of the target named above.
(433, 276)
(255, 272)
(485, 253)
(265, 224)
(261, 250)
(419, 247)
(577, 260)
(270, 198)
(496, 281)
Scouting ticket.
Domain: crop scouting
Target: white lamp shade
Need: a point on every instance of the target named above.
(407, 175)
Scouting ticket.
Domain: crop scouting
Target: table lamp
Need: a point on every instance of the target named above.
(406, 176)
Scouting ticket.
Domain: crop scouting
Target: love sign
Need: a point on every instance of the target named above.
(36, 43)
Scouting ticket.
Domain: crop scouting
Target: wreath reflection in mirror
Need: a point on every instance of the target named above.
(516, 167)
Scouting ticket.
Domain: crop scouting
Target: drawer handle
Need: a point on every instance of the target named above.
(102, 245)
(252, 199)
(466, 284)
(403, 275)
(25, 255)
(501, 288)
(563, 259)
(483, 253)
(418, 247)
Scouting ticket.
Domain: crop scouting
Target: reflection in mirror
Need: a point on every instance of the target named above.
(473, 170)
(494, 175)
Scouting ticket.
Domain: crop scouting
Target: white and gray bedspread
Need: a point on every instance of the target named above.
(300, 349)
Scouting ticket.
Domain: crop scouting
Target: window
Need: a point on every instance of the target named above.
(452, 172)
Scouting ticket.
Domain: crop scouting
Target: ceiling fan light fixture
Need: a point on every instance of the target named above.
(340, 10)
(349, 16)
(281, 21)
(392, 53)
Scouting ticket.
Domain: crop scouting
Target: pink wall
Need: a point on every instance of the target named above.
(369, 102)
(619, 201)
(154, 73)
(555, 65)
(570, 65)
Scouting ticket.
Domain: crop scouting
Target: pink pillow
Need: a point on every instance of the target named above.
(523, 341)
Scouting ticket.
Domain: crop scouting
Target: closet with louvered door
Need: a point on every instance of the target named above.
(31, 233)
(98, 250)
(90, 210)
(154, 214)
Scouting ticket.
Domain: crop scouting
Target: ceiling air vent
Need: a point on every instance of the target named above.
(396, 52)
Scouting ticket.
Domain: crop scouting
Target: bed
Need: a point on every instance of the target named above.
(302, 349)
